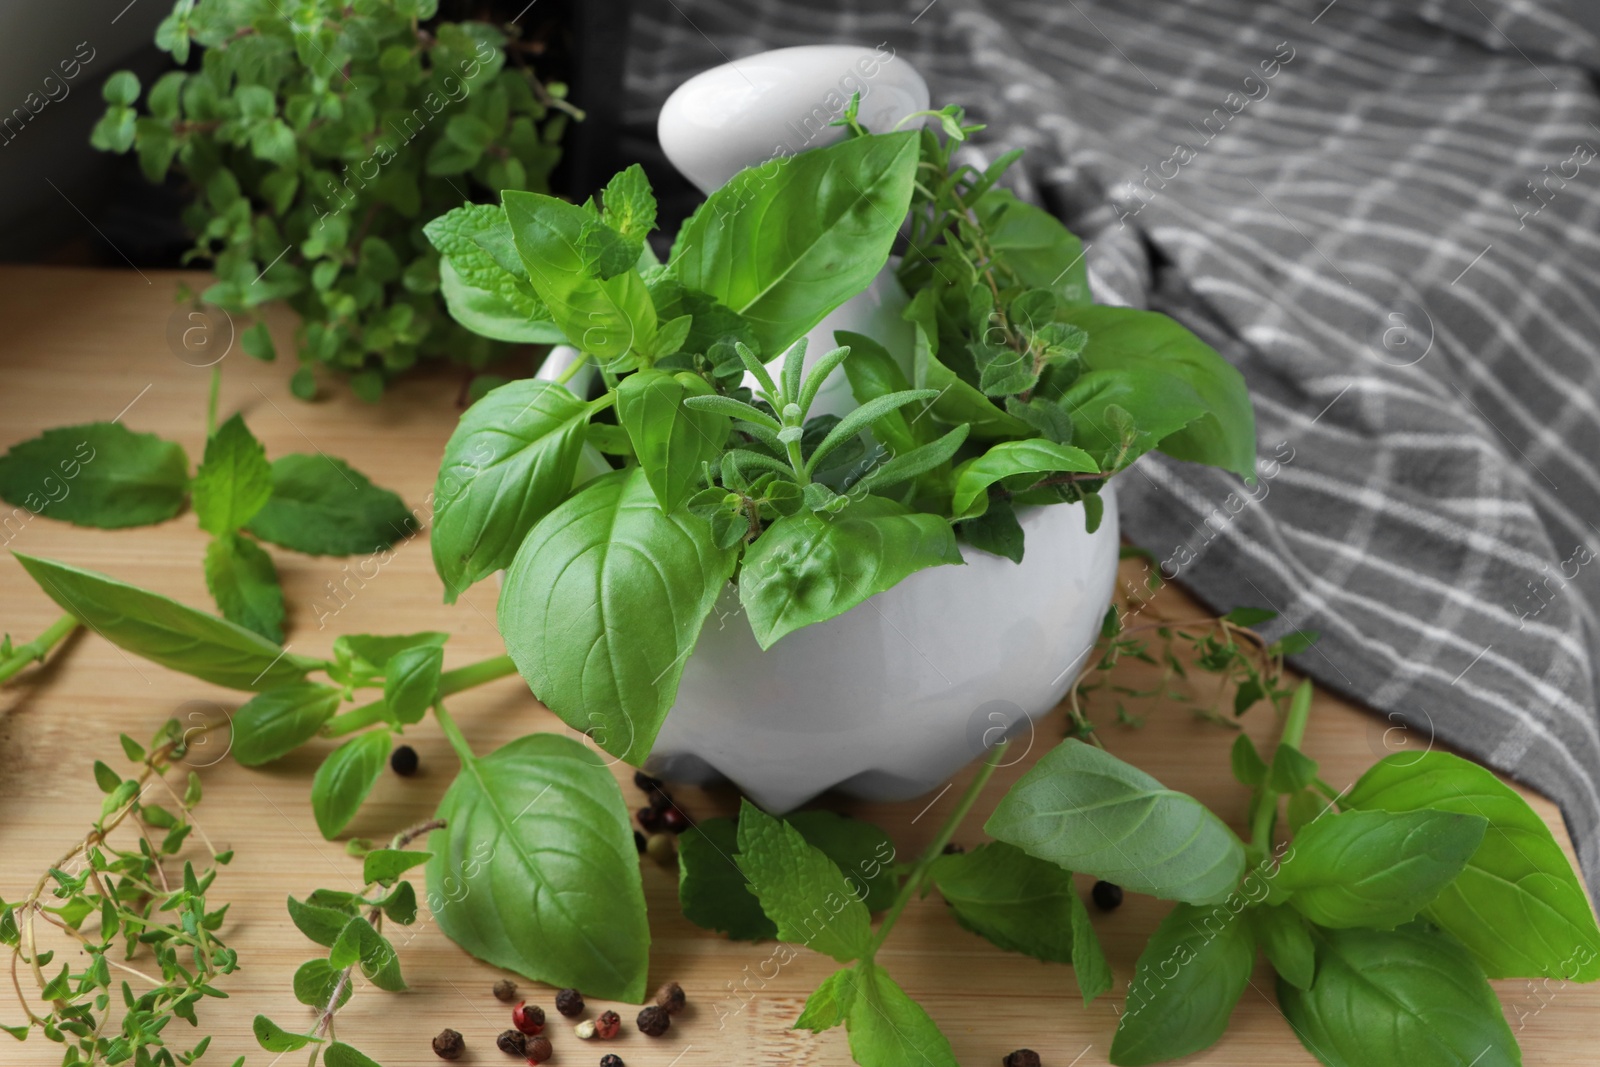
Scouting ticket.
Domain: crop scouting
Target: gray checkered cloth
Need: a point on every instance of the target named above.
(1385, 215)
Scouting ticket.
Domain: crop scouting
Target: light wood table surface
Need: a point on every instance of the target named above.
(80, 345)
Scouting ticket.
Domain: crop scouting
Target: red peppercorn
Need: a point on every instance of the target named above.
(654, 1021)
(673, 820)
(649, 820)
(529, 1018)
(607, 1025)
(539, 1050)
(569, 1002)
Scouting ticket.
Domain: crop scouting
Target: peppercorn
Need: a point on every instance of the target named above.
(584, 1030)
(661, 800)
(1107, 895)
(529, 1018)
(505, 990)
(645, 782)
(448, 1045)
(670, 998)
(1023, 1057)
(674, 821)
(654, 1021)
(569, 1002)
(611, 1059)
(539, 1050)
(607, 1025)
(639, 841)
(649, 820)
(513, 1043)
(953, 849)
(661, 849)
(403, 761)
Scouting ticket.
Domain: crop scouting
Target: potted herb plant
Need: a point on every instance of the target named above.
(1021, 401)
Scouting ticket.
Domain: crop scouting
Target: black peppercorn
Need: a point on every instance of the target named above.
(674, 821)
(505, 990)
(1023, 1057)
(1107, 895)
(654, 1021)
(611, 1059)
(639, 841)
(953, 849)
(513, 1043)
(645, 782)
(569, 1002)
(670, 998)
(649, 820)
(539, 1049)
(448, 1045)
(607, 1025)
(661, 800)
(403, 761)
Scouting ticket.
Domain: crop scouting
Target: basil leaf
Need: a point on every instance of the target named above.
(509, 462)
(1124, 342)
(829, 1004)
(710, 322)
(324, 507)
(1408, 996)
(272, 724)
(1008, 458)
(1291, 770)
(785, 243)
(713, 890)
(1376, 868)
(244, 584)
(322, 925)
(411, 682)
(536, 870)
(1286, 941)
(672, 441)
(384, 865)
(339, 1054)
(480, 292)
(345, 778)
(605, 556)
(1185, 984)
(274, 1038)
(1083, 809)
(234, 479)
(1089, 963)
(1011, 899)
(996, 530)
(888, 1028)
(364, 657)
(1248, 766)
(873, 372)
(99, 474)
(166, 632)
(610, 318)
(1517, 906)
(958, 402)
(800, 889)
(809, 567)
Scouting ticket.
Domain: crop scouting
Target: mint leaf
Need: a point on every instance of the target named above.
(1517, 906)
(411, 682)
(888, 1028)
(801, 890)
(488, 294)
(1083, 809)
(510, 461)
(345, 778)
(244, 583)
(1185, 984)
(101, 474)
(536, 869)
(1406, 996)
(234, 479)
(167, 632)
(324, 507)
(1008, 897)
(274, 723)
(628, 205)
(1376, 868)
(829, 1004)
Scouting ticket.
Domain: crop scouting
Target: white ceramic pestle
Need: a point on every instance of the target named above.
(779, 103)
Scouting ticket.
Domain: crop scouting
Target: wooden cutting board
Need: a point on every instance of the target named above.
(84, 345)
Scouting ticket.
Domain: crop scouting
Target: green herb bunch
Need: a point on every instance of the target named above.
(316, 137)
(146, 931)
(350, 926)
(1032, 395)
(104, 475)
